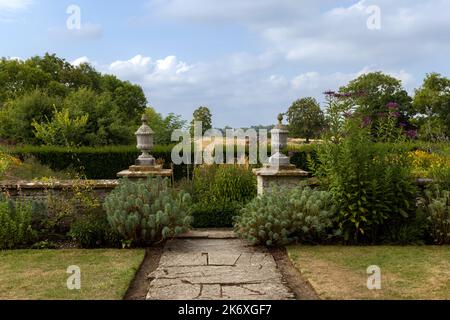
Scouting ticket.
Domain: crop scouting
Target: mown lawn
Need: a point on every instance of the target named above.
(340, 273)
(41, 275)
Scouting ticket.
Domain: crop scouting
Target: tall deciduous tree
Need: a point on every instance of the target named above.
(305, 118)
(31, 89)
(203, 115)
(372, 92)
(164, 126)
(433, 100)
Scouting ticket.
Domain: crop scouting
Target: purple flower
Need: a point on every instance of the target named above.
(392, 106)
(403, 124)
(361, 93)
(395, 114)
(367, 121)
(412, 134)
(329, 93)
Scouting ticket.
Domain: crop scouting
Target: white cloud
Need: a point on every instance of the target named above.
(322, 33)
(80, 61)
(10, 9)
(13, 5)
(149, 72)
(231, 88)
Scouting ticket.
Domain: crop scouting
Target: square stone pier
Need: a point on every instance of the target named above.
(287, 176)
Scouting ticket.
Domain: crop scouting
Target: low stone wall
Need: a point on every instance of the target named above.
(40, 190)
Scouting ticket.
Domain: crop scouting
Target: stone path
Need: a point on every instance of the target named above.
(211, 268)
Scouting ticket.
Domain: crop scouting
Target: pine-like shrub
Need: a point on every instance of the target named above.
(285, 216)
(147, 212)
(15, 223)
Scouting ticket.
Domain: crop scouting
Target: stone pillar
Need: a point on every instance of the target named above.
(146, 163)
(279, 171)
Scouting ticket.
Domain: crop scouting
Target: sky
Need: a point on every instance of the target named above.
(247, 60)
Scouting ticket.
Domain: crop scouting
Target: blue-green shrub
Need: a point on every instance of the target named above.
(148, 211)
(283, 216)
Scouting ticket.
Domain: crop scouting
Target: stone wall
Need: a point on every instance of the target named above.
(40, 190)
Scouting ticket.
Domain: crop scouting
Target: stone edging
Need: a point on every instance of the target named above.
(58, 185)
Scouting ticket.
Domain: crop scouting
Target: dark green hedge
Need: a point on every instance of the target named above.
(106, 162)
(213, 217)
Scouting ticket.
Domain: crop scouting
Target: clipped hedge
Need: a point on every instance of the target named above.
(106, 162)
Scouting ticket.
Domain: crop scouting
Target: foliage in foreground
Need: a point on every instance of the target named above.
(435, 204)
(283, 216)
(371, 184)
(15, 223)
(147, 211)
(94, 231)
(219, 192)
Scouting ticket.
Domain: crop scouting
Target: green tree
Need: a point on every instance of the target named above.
(164, 126)
(17, 115)
(433, 100)
(29, 90)
(372, 92)
(62, 130)
(203, 115)
(107, 124)
(305, 118)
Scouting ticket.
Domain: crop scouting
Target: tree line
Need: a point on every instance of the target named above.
(46, 100)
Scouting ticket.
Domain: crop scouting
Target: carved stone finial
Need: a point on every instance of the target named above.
(144, 118)
(280, 119)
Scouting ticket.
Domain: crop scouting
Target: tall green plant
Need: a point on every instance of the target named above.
(370, 183)
(219, 193)
(15, 223)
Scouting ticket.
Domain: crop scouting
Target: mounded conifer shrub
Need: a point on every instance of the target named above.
(147, 212)
(284, 216)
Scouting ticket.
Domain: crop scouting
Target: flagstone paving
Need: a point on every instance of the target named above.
(216, 269)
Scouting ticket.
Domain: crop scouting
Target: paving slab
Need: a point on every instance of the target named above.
(216, 269)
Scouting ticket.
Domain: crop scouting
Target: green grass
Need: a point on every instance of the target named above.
(41, 275)
(411, 272)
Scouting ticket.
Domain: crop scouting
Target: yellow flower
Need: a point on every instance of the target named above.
(424, 163)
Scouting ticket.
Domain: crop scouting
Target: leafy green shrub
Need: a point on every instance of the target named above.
(371, 183)
(147, 212)
(54, 215)
(44, 245)
(411, 232)
(284, 216)
(435, 204)
(94, 231)
(219, 192)
(212, 216)
(15, 223)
